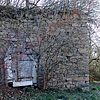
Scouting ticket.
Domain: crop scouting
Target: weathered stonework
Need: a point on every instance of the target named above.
(67, 39)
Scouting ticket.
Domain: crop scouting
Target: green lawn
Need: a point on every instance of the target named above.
(55, 94)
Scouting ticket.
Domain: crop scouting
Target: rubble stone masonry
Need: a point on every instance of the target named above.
(66, 36)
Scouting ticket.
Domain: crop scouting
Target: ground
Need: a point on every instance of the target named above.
(28, 93)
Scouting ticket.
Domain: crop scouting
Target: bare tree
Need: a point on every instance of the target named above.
(8, 2)
(48, 53)
(27, 3)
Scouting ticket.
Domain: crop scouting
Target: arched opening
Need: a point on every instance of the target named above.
(21, 67)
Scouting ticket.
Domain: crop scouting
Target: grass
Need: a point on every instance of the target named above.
(96, 88)
(55, 94)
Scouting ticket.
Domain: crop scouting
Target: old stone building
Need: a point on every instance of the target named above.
(59, 40)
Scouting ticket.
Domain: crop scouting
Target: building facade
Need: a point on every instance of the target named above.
(59, 40)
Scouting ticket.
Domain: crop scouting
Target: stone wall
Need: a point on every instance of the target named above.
(60, 40)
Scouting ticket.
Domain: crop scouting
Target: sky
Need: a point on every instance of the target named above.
(96, 37)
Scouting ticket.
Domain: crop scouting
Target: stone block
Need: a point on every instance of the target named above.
(81, 50)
